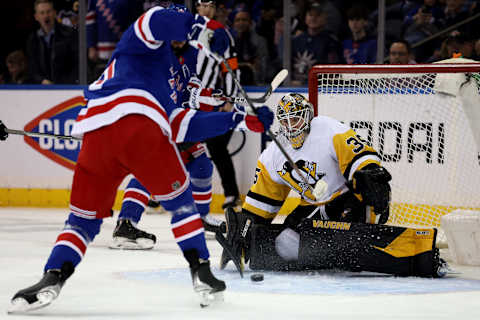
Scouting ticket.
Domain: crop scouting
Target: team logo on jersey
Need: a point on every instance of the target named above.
(57, 120)
(309, 171)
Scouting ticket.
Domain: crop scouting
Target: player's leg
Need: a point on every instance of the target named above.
(94, 186)
(159, 167)
(126, 234)
(200, 169)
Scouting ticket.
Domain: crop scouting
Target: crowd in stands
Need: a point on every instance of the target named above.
(322, 32)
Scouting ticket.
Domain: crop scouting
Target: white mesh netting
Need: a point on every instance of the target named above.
(419, 125)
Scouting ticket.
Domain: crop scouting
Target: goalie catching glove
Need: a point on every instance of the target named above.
(200, 98)
(372, 184)
(259, 122)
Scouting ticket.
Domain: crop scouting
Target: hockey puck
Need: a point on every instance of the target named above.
(256, 277)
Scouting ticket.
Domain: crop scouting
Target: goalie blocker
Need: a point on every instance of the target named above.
(348, 246)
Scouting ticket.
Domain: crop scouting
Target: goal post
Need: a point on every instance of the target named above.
(424, 121)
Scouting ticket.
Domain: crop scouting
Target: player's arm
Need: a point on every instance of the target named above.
(158, 25)
(360, 165)
(191, 126)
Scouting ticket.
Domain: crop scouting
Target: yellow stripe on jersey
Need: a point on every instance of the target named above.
(353, 153)
(265, 196)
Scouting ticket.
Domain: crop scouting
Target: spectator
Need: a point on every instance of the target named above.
(361, 47)
(52, 50)
(334, 18)
(69, 17)
(457, 45)
(221, 15)
(455, 11)
(313, 46)
(422, 22)
(400, 53)
(252, 50)
(266, 28)
(106, 21)
(476, 55)
(17, 69)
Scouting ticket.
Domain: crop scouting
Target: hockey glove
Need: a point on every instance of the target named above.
(257, 123)
(372, 184)
(202, 99)
(3, 131)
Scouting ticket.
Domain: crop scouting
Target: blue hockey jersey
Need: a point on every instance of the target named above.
(106, 20)
(144, 77)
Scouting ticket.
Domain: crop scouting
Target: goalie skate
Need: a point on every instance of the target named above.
(42, 293)
(126, 236)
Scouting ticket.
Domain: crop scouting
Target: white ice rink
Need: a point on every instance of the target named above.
(111, 284)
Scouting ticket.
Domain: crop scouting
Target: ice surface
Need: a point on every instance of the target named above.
(155, 284)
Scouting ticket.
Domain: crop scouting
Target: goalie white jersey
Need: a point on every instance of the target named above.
(332, 151)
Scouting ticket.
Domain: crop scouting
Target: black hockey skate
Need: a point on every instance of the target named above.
(441, 267)
(209, 288)
(42, 293)
(127, 236)
(213, 224)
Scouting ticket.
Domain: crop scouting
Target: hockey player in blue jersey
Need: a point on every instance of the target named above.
(131, 125)
(136, 197)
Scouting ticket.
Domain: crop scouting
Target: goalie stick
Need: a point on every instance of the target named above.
(228, 250)
(4, 129)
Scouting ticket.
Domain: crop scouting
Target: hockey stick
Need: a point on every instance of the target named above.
(229, 251)
(4, 130)
(275, 83)
(279, 78)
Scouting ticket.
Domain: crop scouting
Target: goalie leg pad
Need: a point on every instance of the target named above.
(368, 247)
(349, 246)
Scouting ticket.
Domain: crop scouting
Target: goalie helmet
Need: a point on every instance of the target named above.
(294, 114)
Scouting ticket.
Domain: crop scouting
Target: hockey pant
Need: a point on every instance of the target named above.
(134, 145)
(324, 244)
(200, 169)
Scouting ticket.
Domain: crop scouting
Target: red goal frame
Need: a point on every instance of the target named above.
(384, 69)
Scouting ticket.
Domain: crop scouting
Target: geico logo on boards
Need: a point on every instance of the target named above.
(57, 120)
(55, 126)
(325, 224)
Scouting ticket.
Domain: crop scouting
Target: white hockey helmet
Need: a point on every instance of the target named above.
(294, 114)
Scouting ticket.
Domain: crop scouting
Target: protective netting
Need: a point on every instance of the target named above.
(418, 123)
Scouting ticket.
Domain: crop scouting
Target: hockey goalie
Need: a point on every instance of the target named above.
(345, 199)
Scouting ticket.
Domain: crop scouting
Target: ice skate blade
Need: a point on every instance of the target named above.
(121, 243)
(208, 298)
(20, 305)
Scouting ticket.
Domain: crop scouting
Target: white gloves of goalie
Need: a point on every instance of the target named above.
(320, 189)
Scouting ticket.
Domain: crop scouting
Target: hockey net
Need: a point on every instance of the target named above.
(424, 122)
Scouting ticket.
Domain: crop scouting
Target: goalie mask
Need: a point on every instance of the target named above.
(294, 114)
